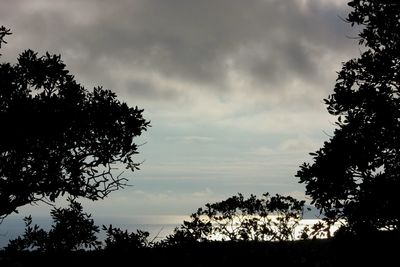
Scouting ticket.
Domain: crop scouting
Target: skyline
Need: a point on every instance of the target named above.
(233, 89)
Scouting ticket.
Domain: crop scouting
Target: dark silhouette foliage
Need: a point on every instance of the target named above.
(3, 33)
(355, 175)
(57, 137)
(269, 218)
(75, 230)
(72, 230)
(120, 241)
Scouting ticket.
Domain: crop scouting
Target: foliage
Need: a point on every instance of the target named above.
(3, 32)
(119, 240)
(72, 230)
(355, 175)
(240, 219)
(57, 137)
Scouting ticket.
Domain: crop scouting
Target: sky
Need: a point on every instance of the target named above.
(234, 89)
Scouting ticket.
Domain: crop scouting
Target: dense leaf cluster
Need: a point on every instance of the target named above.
(57, 137)
(120, 240)
(269, 218)
(72, 230)
(356, 174)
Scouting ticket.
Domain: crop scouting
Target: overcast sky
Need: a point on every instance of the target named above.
(233, 88)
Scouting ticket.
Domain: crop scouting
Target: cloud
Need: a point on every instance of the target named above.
(299, 144)
(166, 202)
(197, 42)
(215, 60)
(233, 88)
(190, 139)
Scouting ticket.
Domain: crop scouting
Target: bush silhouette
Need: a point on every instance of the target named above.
(119, 240)
(269, 218)
(72, 230)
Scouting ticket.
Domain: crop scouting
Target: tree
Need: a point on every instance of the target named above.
(57, 137)
(72, 230)
(269, 218)
(122, 241)
(3, 33)
(356, 174)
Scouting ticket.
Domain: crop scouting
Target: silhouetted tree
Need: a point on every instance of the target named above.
(3, 32)
(119, 240)
(57, 137)
(72, 230)
(356, 174)
(240, 219)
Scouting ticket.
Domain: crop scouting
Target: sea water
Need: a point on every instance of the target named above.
(159, 227)
(14, 226)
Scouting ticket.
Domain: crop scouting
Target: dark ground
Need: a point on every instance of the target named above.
(350, 251)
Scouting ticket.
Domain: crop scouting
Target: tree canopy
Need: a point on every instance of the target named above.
(57, 137)
(72, 229)
(356, 174)
(268, 218)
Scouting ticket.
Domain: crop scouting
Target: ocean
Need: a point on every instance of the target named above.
(13, 227)
(158, 226)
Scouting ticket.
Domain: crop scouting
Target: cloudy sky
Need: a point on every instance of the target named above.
(233, 88)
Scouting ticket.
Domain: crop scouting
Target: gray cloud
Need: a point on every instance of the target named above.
(148, 90)
(233, 87)
(269, 41)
